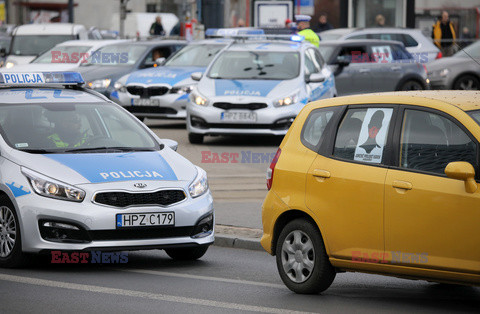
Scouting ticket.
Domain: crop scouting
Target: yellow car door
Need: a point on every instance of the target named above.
(346, 190)
(432, 221)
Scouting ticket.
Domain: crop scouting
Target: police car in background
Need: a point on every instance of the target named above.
(162, 92)
(78, 172)
(257, 87)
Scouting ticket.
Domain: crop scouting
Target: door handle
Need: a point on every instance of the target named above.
(396, 68)
(321, 173)
(364, 70)
(404, 185)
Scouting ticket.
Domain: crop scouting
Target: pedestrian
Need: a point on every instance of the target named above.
(443, 35)
(380, 21)
(157, 28)
(466, 38)
(323, 24)
(240, 22)
(303, 26)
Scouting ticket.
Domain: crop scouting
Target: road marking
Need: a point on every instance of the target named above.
(141, 294)
(217, 279)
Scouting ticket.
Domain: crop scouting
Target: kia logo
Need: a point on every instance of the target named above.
(140, 185)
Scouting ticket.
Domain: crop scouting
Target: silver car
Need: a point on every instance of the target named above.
(366, 66)
(420, 47)
(460, 71)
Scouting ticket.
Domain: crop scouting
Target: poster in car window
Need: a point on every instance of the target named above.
(373, 135)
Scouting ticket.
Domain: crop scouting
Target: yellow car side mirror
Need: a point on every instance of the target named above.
(461, 170)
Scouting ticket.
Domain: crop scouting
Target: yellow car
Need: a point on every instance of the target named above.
(381, 183)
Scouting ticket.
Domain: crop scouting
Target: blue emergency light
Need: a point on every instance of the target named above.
(41, 78)
(297, 38)
(223, 32)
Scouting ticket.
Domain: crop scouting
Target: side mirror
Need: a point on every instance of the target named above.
(171, 143)
(316, 78)
(461, 170)
(160, 61)
(197, 76)
(342, 61)
(3, 53)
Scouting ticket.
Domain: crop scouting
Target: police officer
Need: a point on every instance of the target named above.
(303, 25)
(68, 132)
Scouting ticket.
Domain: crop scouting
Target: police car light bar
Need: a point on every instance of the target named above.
(41, 78)
(232, 32)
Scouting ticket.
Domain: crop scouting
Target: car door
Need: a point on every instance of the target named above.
(386, 69)
(356, 77)
(431, 221)
(345, 186)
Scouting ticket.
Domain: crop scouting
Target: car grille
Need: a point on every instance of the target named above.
(250, 106)
(124, 199)
(146, 92)
(151, 109)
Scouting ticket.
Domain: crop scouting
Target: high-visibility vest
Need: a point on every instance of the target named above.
(311, 36)
(61, 144)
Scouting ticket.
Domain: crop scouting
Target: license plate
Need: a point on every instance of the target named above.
(246, 116)
(145, 102)
(145, 219)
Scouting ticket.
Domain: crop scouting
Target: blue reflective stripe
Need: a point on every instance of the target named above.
(165, 75)
(244, 87)
(322, 89)
(114, 94)
(98, 168)
(18, 191)
(184, 96)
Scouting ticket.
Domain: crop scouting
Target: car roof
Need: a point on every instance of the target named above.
(380, 30)
(268, 45)
(355, 42)
(46, 94)
(464, 100)
(166, 42)
(92, 42)
(48, 29)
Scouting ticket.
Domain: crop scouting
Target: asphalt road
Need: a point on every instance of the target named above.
(224, 281)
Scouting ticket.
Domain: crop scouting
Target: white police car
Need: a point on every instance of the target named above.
(78, 172)
(162, 92)
(257, 87)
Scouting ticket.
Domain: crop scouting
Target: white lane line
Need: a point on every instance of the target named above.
(188, 276)
(141, 294)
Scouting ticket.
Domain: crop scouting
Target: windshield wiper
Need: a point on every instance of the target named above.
(120, 148)
(39, 151)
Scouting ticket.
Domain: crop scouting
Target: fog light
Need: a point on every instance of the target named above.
(62, 232)
(204, 227)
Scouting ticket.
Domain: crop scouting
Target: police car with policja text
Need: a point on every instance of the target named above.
(257, 86)
(79, 173)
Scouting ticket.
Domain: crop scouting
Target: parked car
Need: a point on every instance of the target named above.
(460, 71)
(80, 173)
(65, 56)
(385, 184)
(101, 75)
(420, 47)
(162, 92)
(366, 66)
(30, 40)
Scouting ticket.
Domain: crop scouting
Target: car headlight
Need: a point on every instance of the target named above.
(9, 65)
(182, 89)
(99, 84)
(199, 99)
(200, 185)
(120, 87)
(286, 101)
(52, 188)
(441, 73)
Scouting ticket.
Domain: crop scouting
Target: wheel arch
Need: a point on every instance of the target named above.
(410, 77)
(289, 216)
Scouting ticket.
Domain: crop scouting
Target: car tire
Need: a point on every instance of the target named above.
(300, 246)
(195, 138)
(467, 82)
(11, 254)
(187, 254)
(411, 85)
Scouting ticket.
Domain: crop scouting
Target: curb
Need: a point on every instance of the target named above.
(232, 241)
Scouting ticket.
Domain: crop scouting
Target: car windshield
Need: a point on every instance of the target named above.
(64, 54)
(117, 55)
(326, 51)
(72, 127)
(33, 45)
(471, 51)
(257, 65)
(195, 55)
(5, 43)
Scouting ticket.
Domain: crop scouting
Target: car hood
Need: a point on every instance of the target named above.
(18, 60)
(98, 72)
(163, 75)
(245, 88)
(447, 62)
(164, 165)
(41, 67)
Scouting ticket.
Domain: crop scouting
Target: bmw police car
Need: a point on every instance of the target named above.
(257, 87)
(78, 172)
(162, 92)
